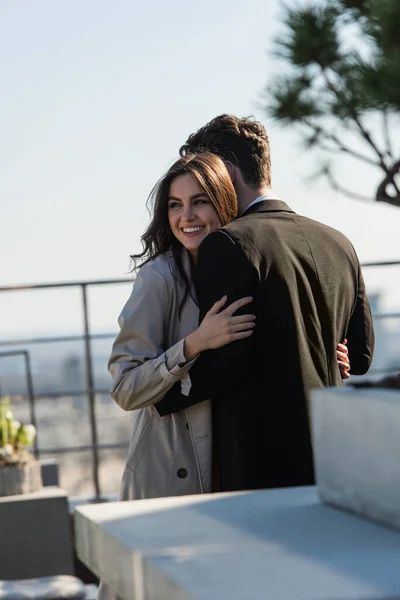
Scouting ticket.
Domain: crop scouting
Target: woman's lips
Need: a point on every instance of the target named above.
(192, 231)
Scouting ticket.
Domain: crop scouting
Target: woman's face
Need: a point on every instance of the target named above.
(191, 215)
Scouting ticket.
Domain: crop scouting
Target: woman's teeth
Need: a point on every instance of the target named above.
(190, 229)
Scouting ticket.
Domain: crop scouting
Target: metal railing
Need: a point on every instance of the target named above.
(89, 387)
(90, 390)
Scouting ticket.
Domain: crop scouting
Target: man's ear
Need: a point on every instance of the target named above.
(232, 170)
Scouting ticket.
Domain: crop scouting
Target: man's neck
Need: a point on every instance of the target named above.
(248, 195)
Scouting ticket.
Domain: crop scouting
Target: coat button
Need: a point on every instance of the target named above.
(182, 473)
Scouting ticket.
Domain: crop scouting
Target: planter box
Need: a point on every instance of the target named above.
(356, 441)
(35, 535)
(20, 479)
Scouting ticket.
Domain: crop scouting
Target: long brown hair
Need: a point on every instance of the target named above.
(213, 177)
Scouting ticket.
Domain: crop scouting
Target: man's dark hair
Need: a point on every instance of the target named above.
(243, 142)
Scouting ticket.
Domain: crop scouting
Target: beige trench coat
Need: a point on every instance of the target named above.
(171, 455)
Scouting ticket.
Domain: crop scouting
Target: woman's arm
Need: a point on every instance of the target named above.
(142, 370)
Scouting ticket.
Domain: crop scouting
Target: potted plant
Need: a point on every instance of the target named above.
(20, 472)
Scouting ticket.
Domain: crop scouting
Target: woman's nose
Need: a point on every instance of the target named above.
(188, 214)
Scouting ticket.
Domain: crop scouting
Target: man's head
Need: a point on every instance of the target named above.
(244, 146)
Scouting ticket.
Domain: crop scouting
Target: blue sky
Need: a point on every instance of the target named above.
(96, 98)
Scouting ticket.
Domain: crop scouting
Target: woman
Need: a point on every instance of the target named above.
(159, 338)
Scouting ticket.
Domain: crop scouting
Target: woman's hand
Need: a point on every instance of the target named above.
(220, 327)
(342, 355)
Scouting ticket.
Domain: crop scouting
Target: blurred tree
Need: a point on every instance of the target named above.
(343, 59)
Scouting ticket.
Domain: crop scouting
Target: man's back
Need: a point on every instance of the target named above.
(308, 280)
(305, 280)
(309, 295)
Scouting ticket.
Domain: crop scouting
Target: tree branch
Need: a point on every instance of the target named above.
(394, 201)
(386, 135)
(340, 146)
(338, 188)
(381, 193)
(396, 187)
(365, 134)
(368, 138)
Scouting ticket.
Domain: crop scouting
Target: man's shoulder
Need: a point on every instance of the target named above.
(247, 225)
(223, 242)
(223, 249)
(317, 227)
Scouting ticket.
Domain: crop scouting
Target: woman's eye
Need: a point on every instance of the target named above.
(202, 201)
(173, 205)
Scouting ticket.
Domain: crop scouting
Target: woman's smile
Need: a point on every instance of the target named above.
(191, 214)
(193, 230)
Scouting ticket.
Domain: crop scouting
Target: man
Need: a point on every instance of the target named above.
(308, 295)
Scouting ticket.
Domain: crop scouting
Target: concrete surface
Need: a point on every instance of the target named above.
(278, 544)
(356, 440)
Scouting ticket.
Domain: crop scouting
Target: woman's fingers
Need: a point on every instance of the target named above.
(232, 308)
(344, 366)
(217, 306)
(242, 326)
(241, 335)
(342, 356)
(343, 348)
(242, 319)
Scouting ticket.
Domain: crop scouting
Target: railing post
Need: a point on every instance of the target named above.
(91, 395)
(31, 394)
